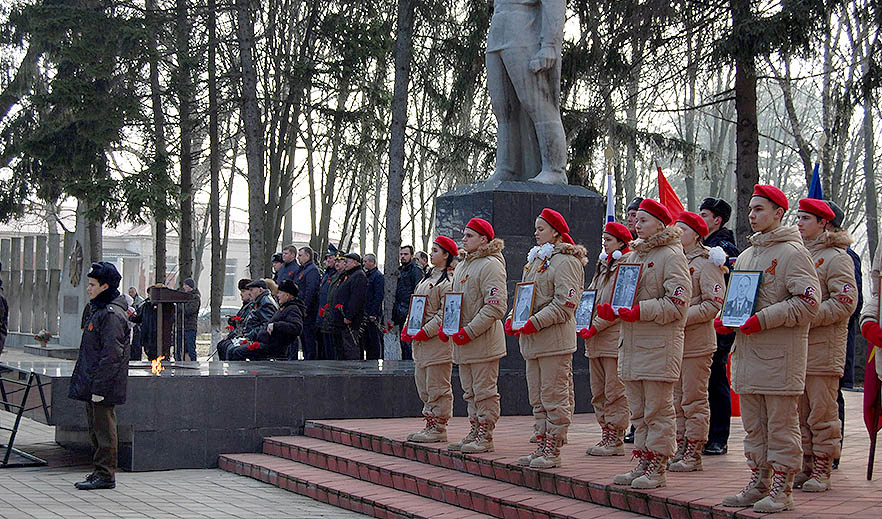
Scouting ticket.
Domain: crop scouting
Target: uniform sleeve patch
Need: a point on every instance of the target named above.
(493, 301)
(677, 301)
(718, 288)
(809, 296)
(846, 288)
(719, 299)
(493, 291)
(678, 291)
(570, 304)
(571, 293)
(844, 299)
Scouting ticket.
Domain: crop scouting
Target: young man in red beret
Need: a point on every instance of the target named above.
(818, 410)
(480, 341)
(769, 359)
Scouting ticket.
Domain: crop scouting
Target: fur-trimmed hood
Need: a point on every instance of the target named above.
(573, 250)
(494, 246)
(782, 234)
(840, 239)
(667, 236)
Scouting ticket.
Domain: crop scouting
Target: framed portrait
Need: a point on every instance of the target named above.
(523, 304)
(625, 288)
(740, 299)
(451, 321)
(585, 310)
(416, 316)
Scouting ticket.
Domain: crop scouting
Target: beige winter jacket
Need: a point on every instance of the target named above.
(707, 299)
(559, 281)
(606, 342)
(829, 331)
(652, 348)
(481, 279)
(871, 304)
(772, 361)
(433, 351)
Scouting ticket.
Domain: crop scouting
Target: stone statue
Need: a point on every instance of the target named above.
(523, 61)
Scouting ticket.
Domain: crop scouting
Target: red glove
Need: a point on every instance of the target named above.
(630, 314)
(253, 346)
(405, 337)
(461, 338)
(587, 333)
(443, 336)
(871, 331)
(720, 329)
(506, 327)
(752, 325)
(528, 328)
(605, 311)
(421, 336)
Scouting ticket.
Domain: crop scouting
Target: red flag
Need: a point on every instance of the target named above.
(667, 197)
(872, 403)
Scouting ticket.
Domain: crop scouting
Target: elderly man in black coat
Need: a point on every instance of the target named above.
(282, 331)
(346, 310)
(102, 369)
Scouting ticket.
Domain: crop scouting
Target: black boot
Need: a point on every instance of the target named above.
(95, 482)
(629, 436)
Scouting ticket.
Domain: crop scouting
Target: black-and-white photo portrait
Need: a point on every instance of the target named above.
(523, 306)
(450, 323)
(740, 297)
(417, 314)
(625, 289)
(585, 310)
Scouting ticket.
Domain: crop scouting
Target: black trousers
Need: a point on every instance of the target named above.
(347, 344)
(102, 432)
(719, 397)
(372, 342)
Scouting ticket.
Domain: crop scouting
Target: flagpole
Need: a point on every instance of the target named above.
(610, 154)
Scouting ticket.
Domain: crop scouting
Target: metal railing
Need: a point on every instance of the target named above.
(23, 459)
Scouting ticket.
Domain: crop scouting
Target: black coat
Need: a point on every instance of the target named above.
(308, 279)
(191, 310)
(324, 289)
(287, 325)
(102, 366)
(350, 294)
(145, 316)
(262, 310)
(409, 276)
(376, 290)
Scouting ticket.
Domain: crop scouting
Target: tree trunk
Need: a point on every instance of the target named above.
(333, 164)
(185, 104)
(218, 269)
(746, 133)
(870, 175)
(397, 129)
(161, 158)
(254, 143)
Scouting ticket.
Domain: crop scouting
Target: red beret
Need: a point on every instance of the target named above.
(447, 244)
(773, 194)
(481, 226)
(555, 219)
(817, 207)
(695, 222)
(566, 238)
(657, 210)
(618, 231)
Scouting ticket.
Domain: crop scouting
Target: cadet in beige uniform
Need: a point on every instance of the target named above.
(432, 358)
(699, 343)
(480, 342)
(818, 410)
(548, 339)
(652, 342)
(602, 349)
(769, 356)
(870, 316)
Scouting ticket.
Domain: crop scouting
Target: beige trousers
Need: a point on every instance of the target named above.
(433, 386)
(652, 413)
(819, 416)
(479, 390)
(548, 386)
(608, 393)
(771, 424)
(690, 398)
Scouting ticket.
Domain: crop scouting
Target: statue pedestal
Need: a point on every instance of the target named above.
(512, 208)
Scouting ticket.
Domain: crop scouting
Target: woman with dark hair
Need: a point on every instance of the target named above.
(433, 359)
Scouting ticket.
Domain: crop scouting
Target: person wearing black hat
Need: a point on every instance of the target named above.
(345, 312)
(279, 336)
(276, 263)
(236, 323)
(263, 307)
(716, 212)
(324, 346)
(100, 374)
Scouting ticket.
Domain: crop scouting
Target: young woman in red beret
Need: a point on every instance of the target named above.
(433, 358)
(699, 343)
(652, 342)
(548, 339)
(602, 349)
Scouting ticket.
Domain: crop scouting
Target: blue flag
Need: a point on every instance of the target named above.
(815, 190)
(610, 200)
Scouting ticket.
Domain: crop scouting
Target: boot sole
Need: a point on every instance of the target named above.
(762, 510)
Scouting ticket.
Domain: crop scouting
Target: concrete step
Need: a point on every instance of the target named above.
(472, 492)
(340, 490)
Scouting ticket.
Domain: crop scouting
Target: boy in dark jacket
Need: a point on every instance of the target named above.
(102, 368)
(280, 334)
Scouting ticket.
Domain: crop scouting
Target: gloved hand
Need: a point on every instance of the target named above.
(405, 337)
(872, 332)
(587, 333)
(506, 327)
(528, 328)
(720, 329)
(421, 336)
(443, 336)
(752, 325)
(461, 338)
(630, 314)
(97, 398)
(605, 311)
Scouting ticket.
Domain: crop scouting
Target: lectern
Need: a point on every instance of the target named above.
(165, 299)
